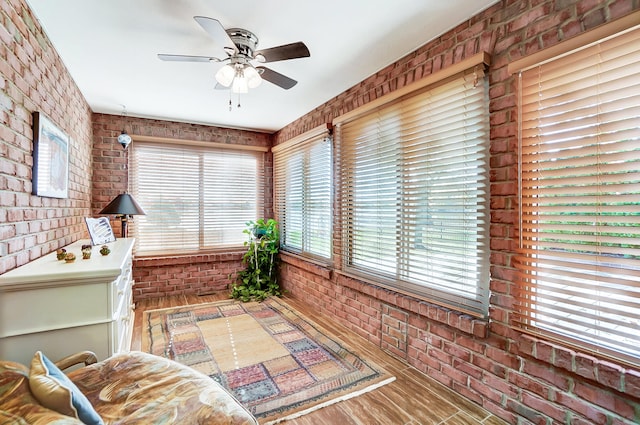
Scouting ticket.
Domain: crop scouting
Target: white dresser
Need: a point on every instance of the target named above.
(61, 308)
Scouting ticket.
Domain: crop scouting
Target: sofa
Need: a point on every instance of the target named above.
(129, 388)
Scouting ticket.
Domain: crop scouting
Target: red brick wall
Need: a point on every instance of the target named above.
(155, 277)
(33, 78)
(519, 378)
(185, 274)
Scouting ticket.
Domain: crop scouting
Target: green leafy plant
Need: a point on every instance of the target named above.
(259, 279)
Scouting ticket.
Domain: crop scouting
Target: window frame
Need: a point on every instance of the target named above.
(476, 304)
(531, 315)
(200, 149)
(309, 184)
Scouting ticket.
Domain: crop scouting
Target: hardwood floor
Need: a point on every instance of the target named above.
(412, 399)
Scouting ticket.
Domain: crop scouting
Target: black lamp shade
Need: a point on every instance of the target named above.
(123, 204)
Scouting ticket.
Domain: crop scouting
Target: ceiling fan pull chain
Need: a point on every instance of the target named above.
(231, 102)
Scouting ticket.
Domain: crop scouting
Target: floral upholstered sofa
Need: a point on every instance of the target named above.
(131, 388)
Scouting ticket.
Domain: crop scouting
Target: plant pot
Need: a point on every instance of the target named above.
(259, 233)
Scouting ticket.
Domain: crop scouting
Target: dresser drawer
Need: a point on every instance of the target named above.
(122, 321)
(121, 297)
(124, 328)
(46, 308)
(121, 287)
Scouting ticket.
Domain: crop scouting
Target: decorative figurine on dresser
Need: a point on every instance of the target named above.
(61, 307)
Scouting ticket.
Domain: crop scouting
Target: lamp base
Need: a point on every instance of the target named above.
(123, 225)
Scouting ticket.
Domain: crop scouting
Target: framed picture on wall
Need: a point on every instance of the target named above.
(50, 159)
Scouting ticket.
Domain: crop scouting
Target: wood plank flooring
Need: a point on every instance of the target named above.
(412, 399)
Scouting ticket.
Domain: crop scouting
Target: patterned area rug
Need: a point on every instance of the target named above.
(277, 364)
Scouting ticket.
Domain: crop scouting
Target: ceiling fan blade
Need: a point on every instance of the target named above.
(214, 28)
(276, 78)
(186, 58)
(284, 52)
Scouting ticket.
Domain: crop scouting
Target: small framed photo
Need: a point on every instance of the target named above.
(50, 159)
(100, 230)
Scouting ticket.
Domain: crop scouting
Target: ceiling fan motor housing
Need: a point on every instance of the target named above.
(245, 41)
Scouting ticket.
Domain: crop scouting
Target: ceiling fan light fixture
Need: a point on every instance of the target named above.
(225, 75)
(252, 76)
(240, 84)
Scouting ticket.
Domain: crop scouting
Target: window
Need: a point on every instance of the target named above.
(196, 197)
(302, 180)
(415, 193)
(580, 187)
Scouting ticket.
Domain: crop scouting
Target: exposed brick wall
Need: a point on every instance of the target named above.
(519, 378)
(155, 277)
(33, 78)
(188, 274)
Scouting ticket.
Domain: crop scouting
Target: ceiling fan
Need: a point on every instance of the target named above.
(239, 46)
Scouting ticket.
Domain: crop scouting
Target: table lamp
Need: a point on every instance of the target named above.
(123, 206)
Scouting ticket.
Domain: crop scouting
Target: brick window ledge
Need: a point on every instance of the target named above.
(306, 264)
(605, 372)
(182, 259)
(466, 323)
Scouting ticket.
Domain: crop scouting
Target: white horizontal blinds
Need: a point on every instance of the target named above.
(195, 198)
(318, 199)
(445, 177)
(302, 181)
(580, 186)
(169, 195)
(415, 177)
(289, 193)
(233, 195)
(370, 160)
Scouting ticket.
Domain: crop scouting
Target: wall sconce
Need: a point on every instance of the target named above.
(124, 139)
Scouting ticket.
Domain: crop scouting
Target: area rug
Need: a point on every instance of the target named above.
(276, 363)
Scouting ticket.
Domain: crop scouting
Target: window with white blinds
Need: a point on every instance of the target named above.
(579, 262)
(415, 193)
(302, 182)
(196, 198)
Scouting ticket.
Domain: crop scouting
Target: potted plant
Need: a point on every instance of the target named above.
(259, 279)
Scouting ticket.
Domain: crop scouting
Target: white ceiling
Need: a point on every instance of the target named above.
(110, 49)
